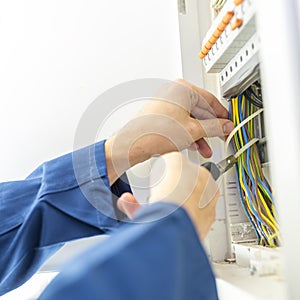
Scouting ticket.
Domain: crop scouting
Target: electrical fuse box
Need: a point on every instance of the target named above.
(229, 65)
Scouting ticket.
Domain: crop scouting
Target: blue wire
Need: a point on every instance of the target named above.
(246, 210)
(246, 141)
(249, 195)
(266, 188)
(260, 221)
(248, 157)
(240, 189)
(248, 160)
(269, 193)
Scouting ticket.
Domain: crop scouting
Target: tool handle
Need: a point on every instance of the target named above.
(213, 169)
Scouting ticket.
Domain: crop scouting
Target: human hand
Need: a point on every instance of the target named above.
(179, 116)
(183, 183)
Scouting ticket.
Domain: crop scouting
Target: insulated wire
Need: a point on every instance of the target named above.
(237, 128)
(261, 218)
(256, 196)
(250, 194)
(244, 204)
(245, 147)
(265, 192)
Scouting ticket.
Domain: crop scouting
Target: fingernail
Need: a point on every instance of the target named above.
(228, 127)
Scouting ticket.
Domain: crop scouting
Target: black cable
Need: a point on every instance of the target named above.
(255, 90)
(251, 97)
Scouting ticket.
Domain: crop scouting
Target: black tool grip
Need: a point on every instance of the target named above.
(213, 169)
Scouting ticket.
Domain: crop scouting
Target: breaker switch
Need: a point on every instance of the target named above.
(203, 53)
(228, 16)
(238, 2)
(212, 39)
(236, 24)
(216, 34)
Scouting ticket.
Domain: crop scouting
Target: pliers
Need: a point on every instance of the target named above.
(220, 168)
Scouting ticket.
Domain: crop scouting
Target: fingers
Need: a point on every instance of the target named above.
(202, 147)
(128, 204)
(206, 101)
(202, 114)
(210, 103)
(210, 128)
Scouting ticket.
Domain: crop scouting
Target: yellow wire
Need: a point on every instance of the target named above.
(238, 121)
(251, 108)
(243, 103)
(271, 220)
(268, 236)
(234, 109)
(259, 211)
(245, 190)
(270, 226)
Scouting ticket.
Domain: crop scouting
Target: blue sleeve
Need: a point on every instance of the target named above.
(161, 260)
(64, 199)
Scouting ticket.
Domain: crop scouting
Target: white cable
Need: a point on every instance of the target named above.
(234, 131)
(245, 147)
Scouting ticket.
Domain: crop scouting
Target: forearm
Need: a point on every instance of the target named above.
(64, 199)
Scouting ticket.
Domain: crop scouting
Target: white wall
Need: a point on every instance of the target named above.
(57, 56)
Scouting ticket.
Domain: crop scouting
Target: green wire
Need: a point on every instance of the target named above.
(266, 207)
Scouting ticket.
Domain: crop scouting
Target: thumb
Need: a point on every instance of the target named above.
(128, 204)
(211, 128)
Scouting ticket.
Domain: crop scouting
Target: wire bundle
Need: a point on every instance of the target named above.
(255, 191)
(253, 94)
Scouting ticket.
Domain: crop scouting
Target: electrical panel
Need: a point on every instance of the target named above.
(230, 49)
(246, 233)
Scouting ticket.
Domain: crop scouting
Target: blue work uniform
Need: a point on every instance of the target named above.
(145, 260)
